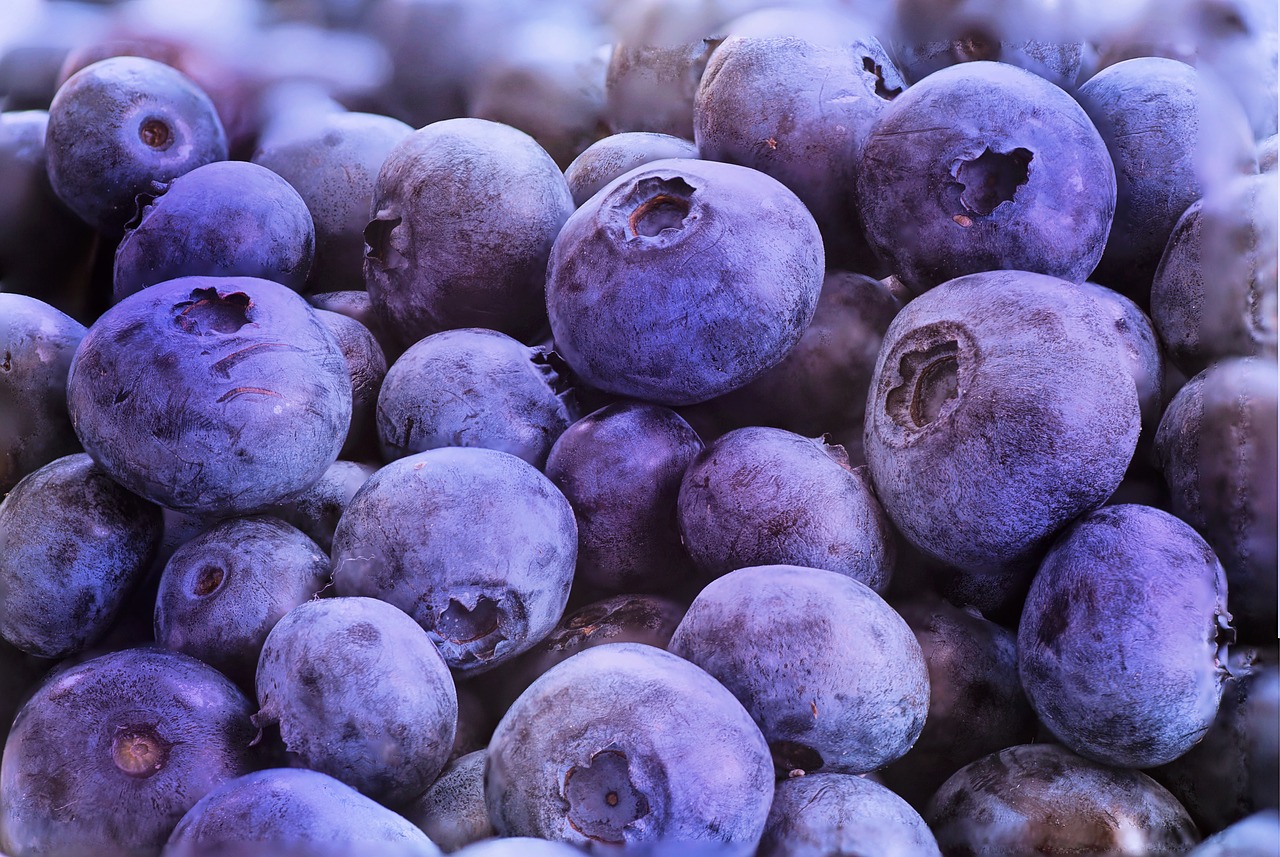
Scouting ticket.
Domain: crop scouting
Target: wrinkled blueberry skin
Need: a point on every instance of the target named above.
(765, 496)
(226, 219)
(1143, 351)
(73, 544)
(212, 395)
(473, 387)
(120, 124)
(1057, 62)
(1122, 641)
(333, 166)
(222, 592)
(109, 754)
(1212, 779)
(1172, 136)
(683, 280)
(360, 693)
(452, 811)
(1043, 799)
(823, 814)
(1214, 293)
(367, 366)
(475, 544)
(606, 159)
(37, 343)
(833, 676)
(1000, 410)
(620, 468)
(464, 215)
(985, 166)
(1255, 836)
(45, 250)
(520, 846)
(800, 112)
(355, 304)
(976, 702)
(317, 510)
(1217, 447)
(681, 757)
(1268, 154)
(820, 387)
(293, 812)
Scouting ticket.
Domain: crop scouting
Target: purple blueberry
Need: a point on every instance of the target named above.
(452, 810)
(317, 510)
(1255, 836)
(367, 367)
(606, 159)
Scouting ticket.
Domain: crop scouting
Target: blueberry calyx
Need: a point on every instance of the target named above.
(208, 312)
(377, 239)
(792, 757)
(990, 180)
(931, 383)
(602, 799)
(660, 207)
(138, 750)
(870, 66)
(207, 581)
(155, 133)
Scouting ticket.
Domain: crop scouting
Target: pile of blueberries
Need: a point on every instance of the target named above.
(739, 428)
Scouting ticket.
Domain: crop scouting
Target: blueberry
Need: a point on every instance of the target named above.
(317, 510)
(1254, 836)
(367, 366)
(119, 125)
(1217, 445)
(833, 676)
(626, 744)
(800, 111)
(217, 395)
(292, 812)
(225, 219)
(73, 545)
(683, 280)
(1043, 799)
(452, 811)
(333, 166)
(520, 846)
(765, 496)
(355, 304)
(464, 215)
(223, 591)
(475, 544)
(37, 343)
(606, 159)
(985, 166)
(620, 468)
(1172, 135)
(1122, 642)
(108, 754)
(1214, 293)
(822, 814)
(361, 693)
(1000, 410)
(474, 387)
(1268, 153)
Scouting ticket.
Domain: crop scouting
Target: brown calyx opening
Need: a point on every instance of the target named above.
(874, 68)
(138, 750)
(602, 798)
(792, 756)
(208, 312)
(155, 133)
(208, 580)
(991, 179)
(931, 382)
(458, 623)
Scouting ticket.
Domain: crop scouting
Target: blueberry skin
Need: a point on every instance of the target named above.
(765, 496)
(976, 702)
(452, 810)
(620, 468)
(1143, 351)
(216, 395)
(820, 386)
(464, 215)
(1122, 641)
(120, 124)
(1173, 135)
(607, 158)
(800, 112)
(822, 814)
(1217, 448)
(683, 280)
(520, 846)
(1044, 799)
(1000, 410)
(317, 510)
(222, 592)
(474, 387)
(367, 366)
(475, 544)
(293, 812)
(984, 166)
(628, 744)
(833, 676)
(360, 693)
(108, 754)
(37, 343)
(1255, 836)
(73, 545)
(333, 166)
(355, 304)
(1214, 293)
(226, 219)
(45, 250)
(1268, 154)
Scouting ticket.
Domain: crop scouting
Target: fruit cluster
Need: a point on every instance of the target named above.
(744, 428)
